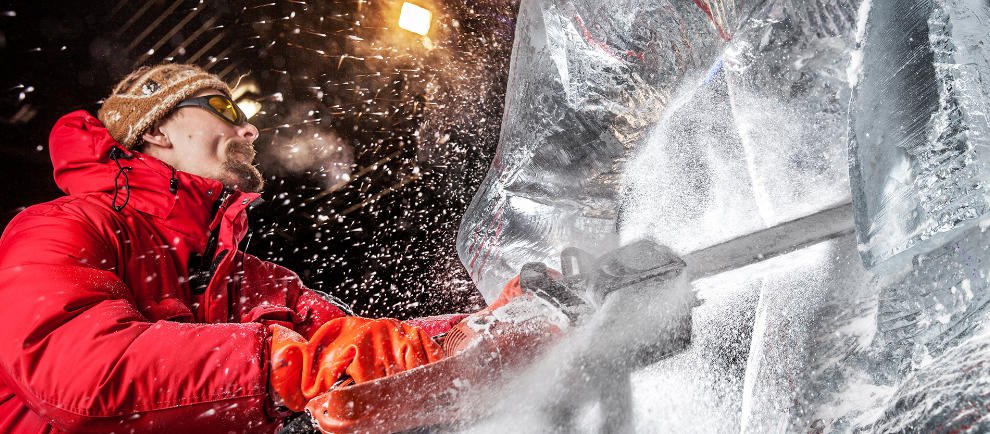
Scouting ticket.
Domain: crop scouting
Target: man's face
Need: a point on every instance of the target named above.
(206, 145)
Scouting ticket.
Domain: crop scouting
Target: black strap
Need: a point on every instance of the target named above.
(202, 267)
(116, 154)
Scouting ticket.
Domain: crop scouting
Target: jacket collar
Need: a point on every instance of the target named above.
(80, 149)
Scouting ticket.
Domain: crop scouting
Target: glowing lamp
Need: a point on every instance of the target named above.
(246, 94)
(415, 18)
(249, 106)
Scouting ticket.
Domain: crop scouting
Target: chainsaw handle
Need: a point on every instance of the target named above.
(573, 256)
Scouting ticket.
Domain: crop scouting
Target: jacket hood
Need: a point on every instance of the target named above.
(80, 148)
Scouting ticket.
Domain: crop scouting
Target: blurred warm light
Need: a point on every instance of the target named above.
(415, 18)
(245, 85)
(249, 106)
(245, 92)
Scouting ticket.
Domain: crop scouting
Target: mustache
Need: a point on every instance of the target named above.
(242, 149)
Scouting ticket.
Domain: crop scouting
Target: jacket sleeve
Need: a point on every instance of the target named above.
(271, 293)
(79, 353)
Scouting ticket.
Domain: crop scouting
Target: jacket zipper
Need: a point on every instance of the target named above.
(203, 278)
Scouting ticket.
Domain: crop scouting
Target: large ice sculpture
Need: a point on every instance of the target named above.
(918, 134)
(758, 144)
(741, 151)
(596, 149)
(588, 79)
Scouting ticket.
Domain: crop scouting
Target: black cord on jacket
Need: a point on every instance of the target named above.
(116, 154)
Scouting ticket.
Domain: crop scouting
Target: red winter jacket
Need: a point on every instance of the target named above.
(110, 322)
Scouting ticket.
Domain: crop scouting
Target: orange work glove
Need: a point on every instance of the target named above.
(362, 348)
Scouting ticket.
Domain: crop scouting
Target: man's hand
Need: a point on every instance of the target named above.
(361, 348)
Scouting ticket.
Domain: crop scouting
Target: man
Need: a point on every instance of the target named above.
(127, 306)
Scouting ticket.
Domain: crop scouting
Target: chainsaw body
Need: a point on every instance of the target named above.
(609, 296)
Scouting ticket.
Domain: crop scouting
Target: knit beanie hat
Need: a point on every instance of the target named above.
(148, 95)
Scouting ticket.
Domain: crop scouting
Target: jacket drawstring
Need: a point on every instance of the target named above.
(116, 154)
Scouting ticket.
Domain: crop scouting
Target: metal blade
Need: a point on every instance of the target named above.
(774, 241)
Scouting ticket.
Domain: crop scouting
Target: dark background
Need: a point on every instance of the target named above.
(373, 139)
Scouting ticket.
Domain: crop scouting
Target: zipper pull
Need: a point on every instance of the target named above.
(173, 183)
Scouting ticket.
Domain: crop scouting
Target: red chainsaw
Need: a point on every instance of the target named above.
(603, 296)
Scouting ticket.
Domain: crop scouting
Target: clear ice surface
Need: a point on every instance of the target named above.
(587, 80)
(918, 125)
(696, 123)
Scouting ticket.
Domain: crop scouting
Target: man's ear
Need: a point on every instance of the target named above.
(155, 137)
